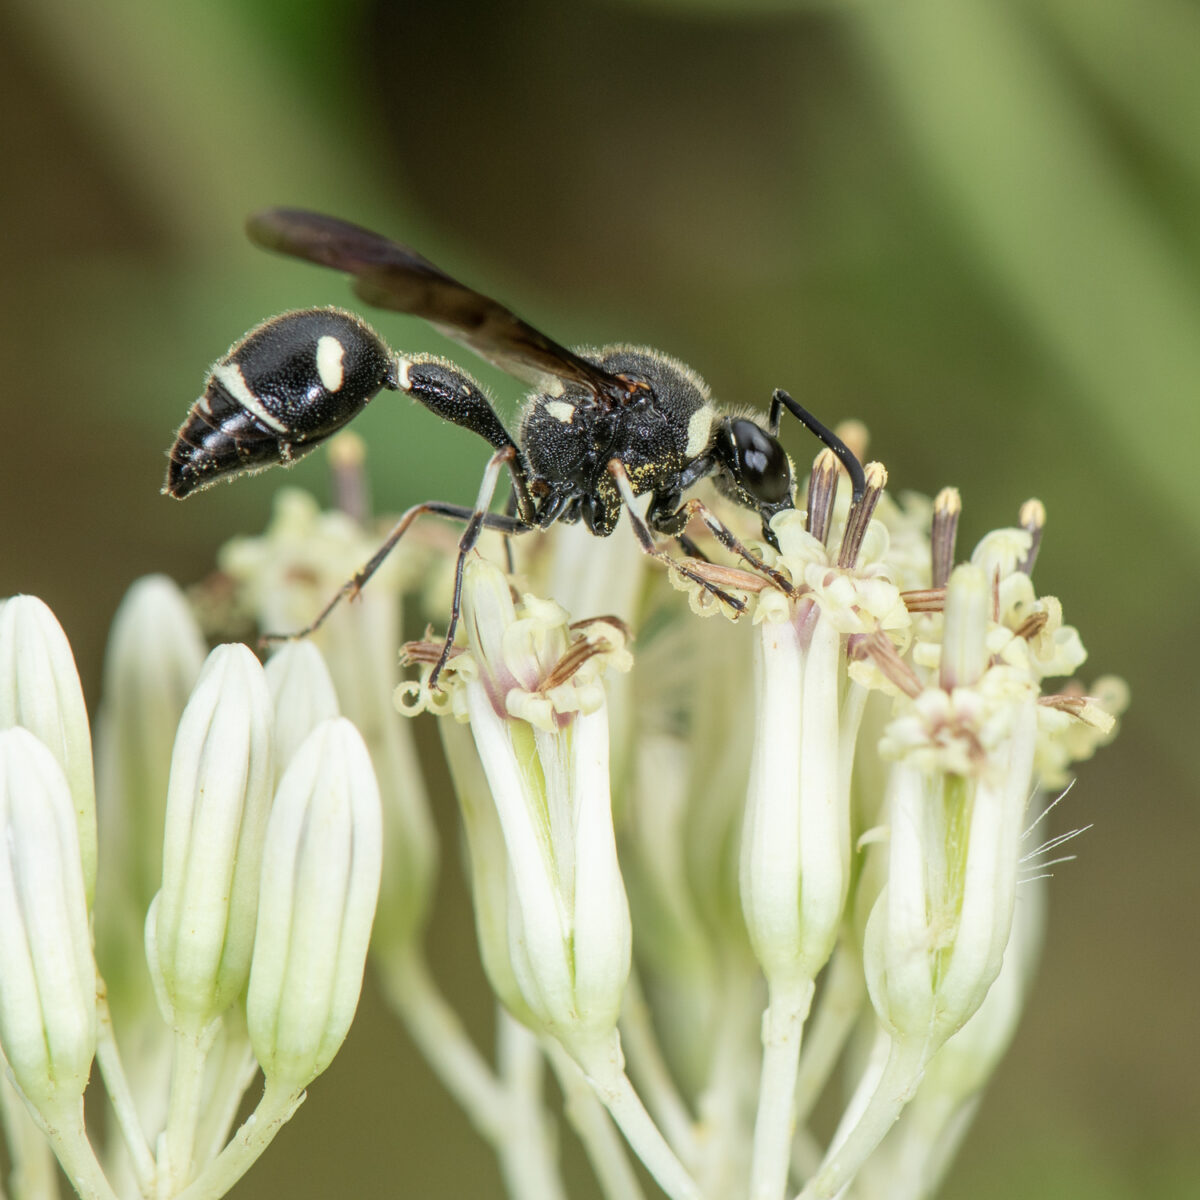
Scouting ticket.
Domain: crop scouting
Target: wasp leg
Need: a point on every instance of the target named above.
(476, 522)
(690, 548)
(781, 400)
(665, 521)
(646, 540)
(510, 511)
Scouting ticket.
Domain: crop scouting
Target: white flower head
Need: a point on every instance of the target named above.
(200, 929)
(48, 980)
(40, 691)
(153, 658)
(320, 882)
(529, 683)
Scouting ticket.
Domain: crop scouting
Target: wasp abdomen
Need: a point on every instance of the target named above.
(279, 392)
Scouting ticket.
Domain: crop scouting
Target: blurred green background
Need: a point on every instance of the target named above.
(973, 225)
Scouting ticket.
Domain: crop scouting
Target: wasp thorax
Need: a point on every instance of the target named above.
(280, 391)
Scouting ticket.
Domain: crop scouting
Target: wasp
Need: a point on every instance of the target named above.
(600, 428)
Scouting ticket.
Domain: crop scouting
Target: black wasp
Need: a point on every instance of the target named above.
(602, 427)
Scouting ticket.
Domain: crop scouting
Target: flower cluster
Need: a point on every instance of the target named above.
(231, 899)
(712, 861)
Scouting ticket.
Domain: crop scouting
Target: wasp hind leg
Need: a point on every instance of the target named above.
(477, 519)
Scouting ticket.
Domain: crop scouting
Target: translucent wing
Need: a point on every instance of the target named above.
(389, 275)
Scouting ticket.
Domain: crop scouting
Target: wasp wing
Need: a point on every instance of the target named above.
(390, 275)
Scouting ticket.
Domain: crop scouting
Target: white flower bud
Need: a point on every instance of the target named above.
(48, 981)
(200, 930)
(302, 695)
(40, 690)
(154, 655)
(796, 844)
(320, 882)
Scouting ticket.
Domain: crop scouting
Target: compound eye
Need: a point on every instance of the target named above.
(762, 466)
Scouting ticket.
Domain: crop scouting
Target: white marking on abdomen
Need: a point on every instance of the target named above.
(230, 377)
(330, 353)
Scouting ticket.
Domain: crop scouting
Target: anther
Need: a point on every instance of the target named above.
(1033, 519)
(947, 508)
(879, 648)
(822, 492)
(860, 515)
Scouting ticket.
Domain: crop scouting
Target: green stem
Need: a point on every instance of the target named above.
(728, 1093)
(528, 1159)
(601, 1061)
(782, 1032)
(274, 1110)
(837, 1009)
(439, 1035)
(235, 1070)
(650, 1070)
(189, 1053)
(120, 1096)
(33, 1175)
(896, 1087)
(76, 1156)
(604, 1148)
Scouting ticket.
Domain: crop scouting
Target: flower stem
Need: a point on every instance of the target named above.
(234, 1071)
(651, 1072)
(76, 1156)
(782, 1031)
(601, 1062)
(274, 1110)
(438, 1033)
(605, 1150)
(33, 1175)
(836, 1011)
(528, 1161)
(120, 1096)
(901, 1075)
(727, 1093)
(189, 1053)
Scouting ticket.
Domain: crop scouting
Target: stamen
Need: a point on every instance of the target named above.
(860, 515)
(729, 577)
(924, 600)
(621, 626)
(571, 661)
(822, 492)
(880, 647)
(428, 652)
(1032, 626)
(1032, 518)
(1084, 708)
(947, 508)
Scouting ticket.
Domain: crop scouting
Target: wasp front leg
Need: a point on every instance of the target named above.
(667, 515)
